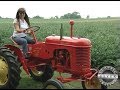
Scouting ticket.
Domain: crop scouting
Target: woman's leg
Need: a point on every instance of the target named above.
(23, 43)
(29, 40)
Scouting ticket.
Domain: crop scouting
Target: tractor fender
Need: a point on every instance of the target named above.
(19, 55)
(16, 50)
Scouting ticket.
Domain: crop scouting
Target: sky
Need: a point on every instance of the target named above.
(49, 9)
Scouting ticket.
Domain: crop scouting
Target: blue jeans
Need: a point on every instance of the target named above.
(23, 41)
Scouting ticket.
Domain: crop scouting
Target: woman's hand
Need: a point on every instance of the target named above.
(28, 31)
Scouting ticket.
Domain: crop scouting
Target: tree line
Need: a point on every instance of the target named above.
(73, 15)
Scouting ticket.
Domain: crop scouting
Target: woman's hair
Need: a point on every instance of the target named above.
(26, 16)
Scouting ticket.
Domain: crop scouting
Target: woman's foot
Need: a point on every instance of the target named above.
(27, 55)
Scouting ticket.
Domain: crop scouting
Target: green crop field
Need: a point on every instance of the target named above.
(103, 33)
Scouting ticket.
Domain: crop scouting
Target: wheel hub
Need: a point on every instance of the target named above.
(36, 72)
(94, 83)
(3, 71)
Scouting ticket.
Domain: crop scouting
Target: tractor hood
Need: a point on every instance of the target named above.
(74, 41)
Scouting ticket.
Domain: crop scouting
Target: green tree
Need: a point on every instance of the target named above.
(38, 17)
(56, 17)
(108, 17)
(88, 17)
(74, 15)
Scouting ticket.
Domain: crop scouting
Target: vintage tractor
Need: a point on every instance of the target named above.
(57, 53)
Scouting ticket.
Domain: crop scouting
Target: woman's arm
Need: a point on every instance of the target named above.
(16, 26)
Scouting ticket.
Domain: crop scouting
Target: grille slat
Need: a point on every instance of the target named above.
(83, 57)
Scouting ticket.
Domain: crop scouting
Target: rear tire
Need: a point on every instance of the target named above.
(9, 69)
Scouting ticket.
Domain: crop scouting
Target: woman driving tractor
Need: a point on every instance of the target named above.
(20, 34)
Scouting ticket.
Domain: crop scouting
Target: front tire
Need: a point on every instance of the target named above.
(9, 69)
(41, 73)
(94, 83)
(53, 84)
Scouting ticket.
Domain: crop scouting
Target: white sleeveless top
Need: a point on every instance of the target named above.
(23, 25)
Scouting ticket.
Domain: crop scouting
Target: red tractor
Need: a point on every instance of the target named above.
(57, 53)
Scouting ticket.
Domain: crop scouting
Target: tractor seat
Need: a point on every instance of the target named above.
(16, 44)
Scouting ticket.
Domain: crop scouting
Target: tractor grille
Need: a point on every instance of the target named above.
(83, 62)
(83, 56)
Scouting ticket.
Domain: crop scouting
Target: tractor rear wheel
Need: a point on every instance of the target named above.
(53, 84)
(41, 73)
(94, 83)
(9, 69)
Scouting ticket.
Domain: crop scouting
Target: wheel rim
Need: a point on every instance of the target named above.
(36, 72)
(94, 83)
(51, 87)
(3, 71)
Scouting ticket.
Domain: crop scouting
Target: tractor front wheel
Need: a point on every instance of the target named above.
(94, 83)
(9, 69)
(53, 84)
(42, 73)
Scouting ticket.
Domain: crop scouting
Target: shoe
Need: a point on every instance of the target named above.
(27, 56)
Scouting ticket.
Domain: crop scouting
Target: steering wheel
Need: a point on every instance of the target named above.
(34, 28)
